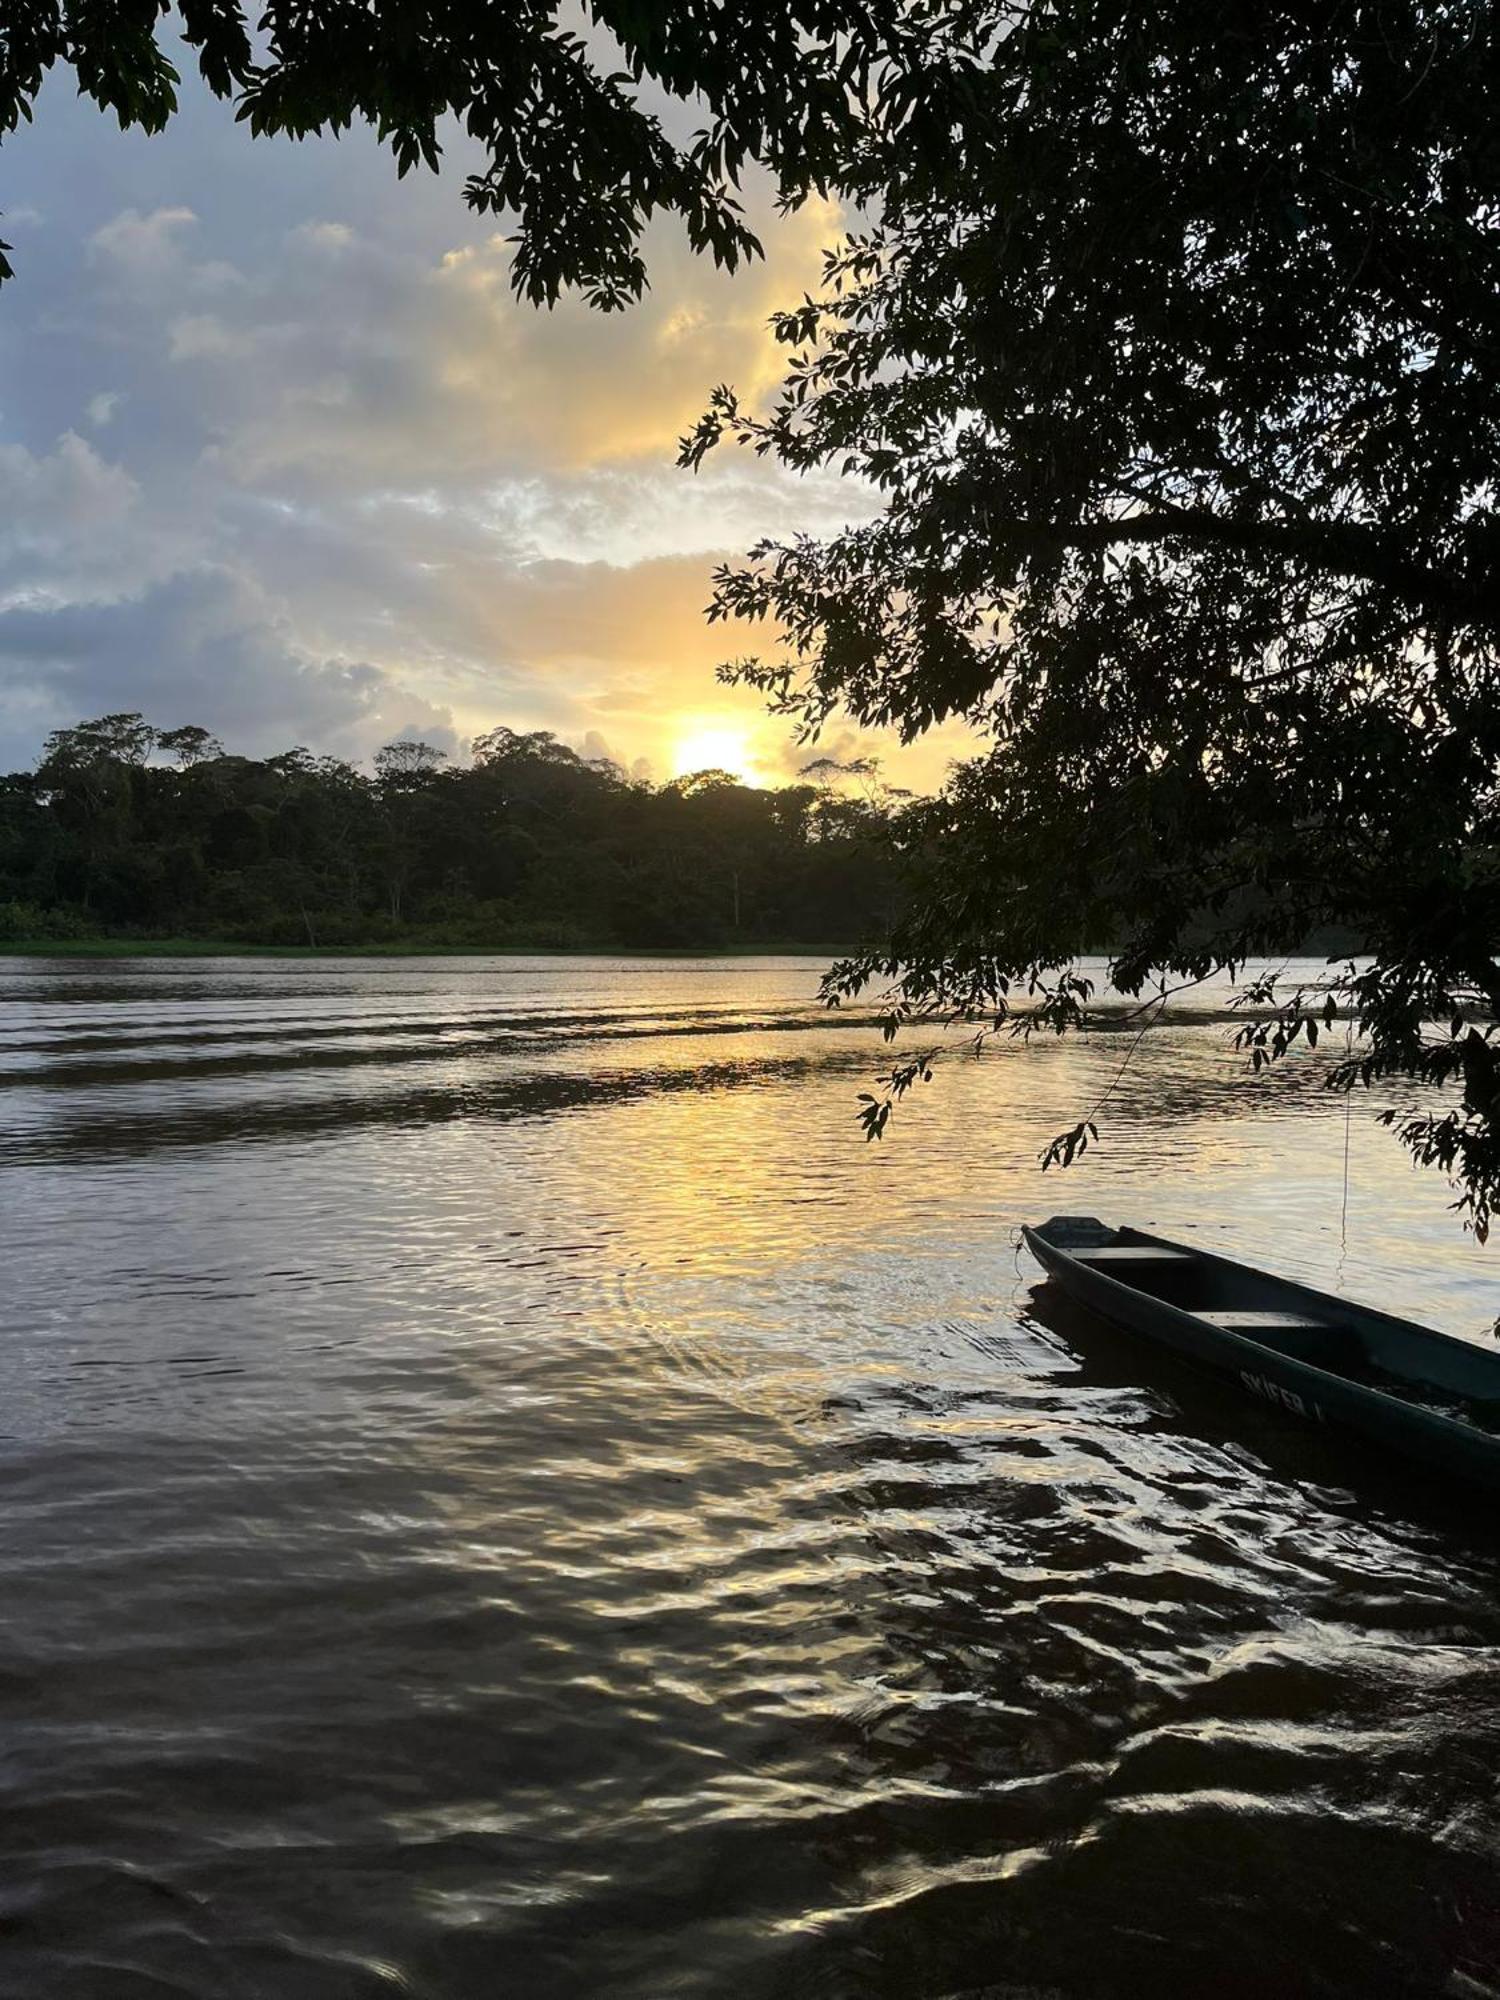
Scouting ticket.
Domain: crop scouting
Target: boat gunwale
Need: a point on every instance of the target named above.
(1212, 1334)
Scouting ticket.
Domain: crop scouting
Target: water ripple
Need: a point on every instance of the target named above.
(503, 1494)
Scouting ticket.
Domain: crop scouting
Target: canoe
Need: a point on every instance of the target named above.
(1422, 1394)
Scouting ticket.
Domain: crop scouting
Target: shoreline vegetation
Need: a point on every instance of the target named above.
(193, 947)
(128, 839)
(131, 841)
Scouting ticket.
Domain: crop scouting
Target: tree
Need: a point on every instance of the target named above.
(121, 739)
(533, 845)
(189, 745)
(405, 773)
(572, 150)
(407, 765)
(1172, 356)
(91, 776)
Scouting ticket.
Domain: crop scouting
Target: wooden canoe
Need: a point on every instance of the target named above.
(1423, 1394)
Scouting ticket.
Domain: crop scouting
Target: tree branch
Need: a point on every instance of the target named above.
(1345, 548)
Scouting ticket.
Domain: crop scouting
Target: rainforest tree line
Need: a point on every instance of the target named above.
(127, 830)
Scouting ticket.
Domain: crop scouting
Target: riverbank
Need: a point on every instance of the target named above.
(115, 947)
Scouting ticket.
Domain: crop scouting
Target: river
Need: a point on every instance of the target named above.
(503, 1493)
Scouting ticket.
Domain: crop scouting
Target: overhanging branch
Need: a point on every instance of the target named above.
(1346, 549)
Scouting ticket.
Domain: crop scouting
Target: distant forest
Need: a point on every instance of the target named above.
(126, 830)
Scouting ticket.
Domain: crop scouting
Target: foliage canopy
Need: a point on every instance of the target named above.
(1176, 372)
(574, 152)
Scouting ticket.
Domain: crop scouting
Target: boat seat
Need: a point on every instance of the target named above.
(1132, 1253)
(1300, 1336)
(1237, 1317)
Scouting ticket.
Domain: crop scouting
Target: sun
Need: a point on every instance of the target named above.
(714, 746)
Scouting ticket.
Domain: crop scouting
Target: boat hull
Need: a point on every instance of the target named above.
(1402, 1351)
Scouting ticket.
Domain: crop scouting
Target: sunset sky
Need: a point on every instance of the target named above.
(284, 457)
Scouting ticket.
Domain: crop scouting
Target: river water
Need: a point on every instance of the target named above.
(503, 1494)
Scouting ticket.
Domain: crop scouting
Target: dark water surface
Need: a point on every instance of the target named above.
(501, 1494)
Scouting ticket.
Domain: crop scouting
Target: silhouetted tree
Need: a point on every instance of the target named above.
(405, 773)
(189, 745)
(531, 844)
(572, 152)
(1175, 360)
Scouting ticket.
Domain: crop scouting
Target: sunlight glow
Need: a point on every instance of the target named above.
(714, 746)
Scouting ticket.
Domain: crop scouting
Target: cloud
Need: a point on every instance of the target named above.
(340, 483)
(142, 245)
(596, 748)
(70, 525)
(80, 528)
(350, 359)
(203, 647)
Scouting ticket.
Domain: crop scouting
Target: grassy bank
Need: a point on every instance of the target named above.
(117, 947)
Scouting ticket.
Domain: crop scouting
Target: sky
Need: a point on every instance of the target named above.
(285, 458)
